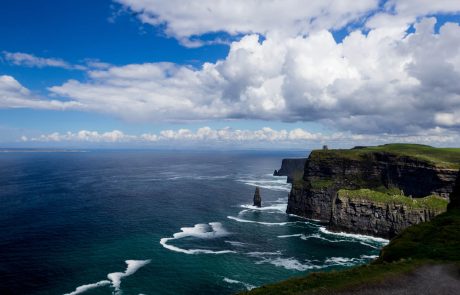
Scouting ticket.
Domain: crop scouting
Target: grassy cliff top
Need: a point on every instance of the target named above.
(437, 241)
(439, 157)
(430, 202)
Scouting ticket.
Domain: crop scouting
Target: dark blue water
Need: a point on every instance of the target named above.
(109, 222)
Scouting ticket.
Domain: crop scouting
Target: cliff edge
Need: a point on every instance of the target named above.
(375, 190)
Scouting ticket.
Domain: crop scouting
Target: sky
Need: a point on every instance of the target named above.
(289, 74)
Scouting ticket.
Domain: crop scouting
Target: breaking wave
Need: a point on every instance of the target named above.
(278, 208)
(114, 278)
(133, 266)
(84, 288)
(211, 230)
(355, 236)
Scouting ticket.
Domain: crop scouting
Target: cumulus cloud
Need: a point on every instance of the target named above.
(384, 81)
(261, 137)
(286, 65)
(83, 136)
(186, 20)
(397, 13)
(14, 95)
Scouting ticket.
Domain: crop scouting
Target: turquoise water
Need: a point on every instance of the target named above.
(150, 222)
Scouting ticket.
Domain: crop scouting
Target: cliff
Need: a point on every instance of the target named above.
(432, 246)
(364, 215)
(455, 195)
(396, 177)
(292, 168)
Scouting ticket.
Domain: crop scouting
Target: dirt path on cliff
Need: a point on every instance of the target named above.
(428, 279)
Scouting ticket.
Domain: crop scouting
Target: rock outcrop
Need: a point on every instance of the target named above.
(292, 168)
(257, 198)
(315, 196)
(376, 218)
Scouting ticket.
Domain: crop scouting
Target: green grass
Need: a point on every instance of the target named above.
(437, 241)
(321, 183)
(439, 157)
(430, 202)
(335, 281)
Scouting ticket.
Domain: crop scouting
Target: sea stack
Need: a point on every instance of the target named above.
(257, 198)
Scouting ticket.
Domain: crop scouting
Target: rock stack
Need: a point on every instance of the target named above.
(257, 198)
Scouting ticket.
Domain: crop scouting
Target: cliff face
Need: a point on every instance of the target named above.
(292, 168)
(455, 195)
(377, 219)
(326, 172)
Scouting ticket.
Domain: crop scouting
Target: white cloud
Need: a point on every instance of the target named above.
(207, 135)
(398, 13)
(33, 61)
(381, 80)
(185, 20)
(384, 81)
(14, 95)
(30, 60)
(83, 136)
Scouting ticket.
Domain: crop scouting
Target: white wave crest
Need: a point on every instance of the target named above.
(301, 217)
(355, 236)
(263, 254)
(211, 230)
(369, 256)
(133, 266)
(290, 236)
(277, 207)
(318, 236)
(115, 278)
(290, 263)
(259, 222)
(344, 261)
(84, 288)
(246, 285)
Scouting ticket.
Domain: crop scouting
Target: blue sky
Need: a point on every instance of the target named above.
(227, 74)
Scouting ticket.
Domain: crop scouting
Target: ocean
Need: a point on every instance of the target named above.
(157, 222)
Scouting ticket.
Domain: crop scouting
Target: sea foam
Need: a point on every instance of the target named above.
(355, 236)
(133, 266)
(278, 208)
(211, 230)
(84, 288)
(246, 285)
(290, 263)
(114, 278)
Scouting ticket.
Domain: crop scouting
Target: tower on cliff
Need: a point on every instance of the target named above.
(257, 198)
